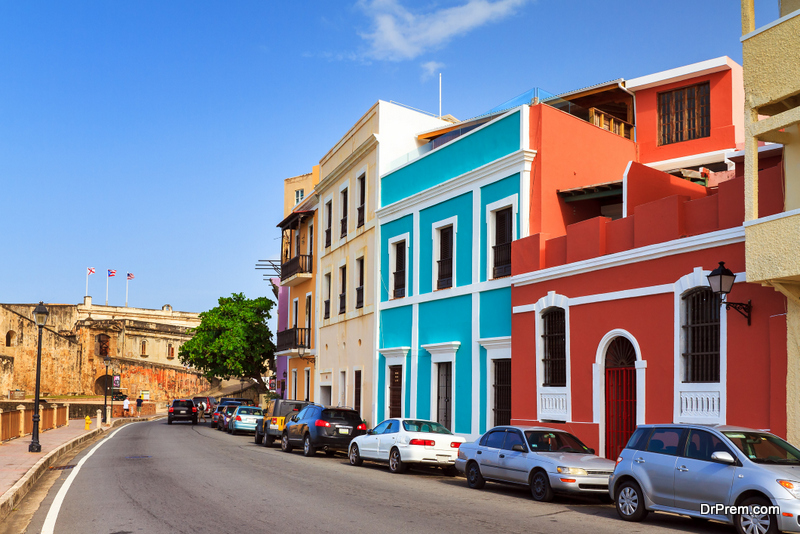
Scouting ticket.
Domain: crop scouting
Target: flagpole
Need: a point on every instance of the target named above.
(87, 282)
(107, 277)
(126, 291)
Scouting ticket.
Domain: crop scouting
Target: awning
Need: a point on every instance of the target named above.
(587, 192)
(294, 217)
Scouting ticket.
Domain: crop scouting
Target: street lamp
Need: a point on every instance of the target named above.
(721, 281)
(40, 314)
(106, 360)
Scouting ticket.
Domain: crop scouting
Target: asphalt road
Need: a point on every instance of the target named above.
(156, 478)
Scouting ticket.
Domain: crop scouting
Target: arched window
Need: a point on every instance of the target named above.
(101, 345)
(170, 351)
(11, 337)
(701, 335)
(144, 348)
(554, 337)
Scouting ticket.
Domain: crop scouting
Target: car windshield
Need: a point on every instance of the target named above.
(413, 425)
(230, 409)
(764, 448)
(249, 411)
(182, 404)
(544, 441)
(289, 407)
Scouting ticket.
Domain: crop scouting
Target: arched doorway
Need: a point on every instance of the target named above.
(620, 394)
(100, 385)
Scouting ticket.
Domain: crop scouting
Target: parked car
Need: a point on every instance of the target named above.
(210, 402)
(317, 427)
(403, 442)
(545, 459)
(703, 471)
(218, 411)
(244, 419)
(240, 400)
(182, 410)
(225, 416)
(272, 424)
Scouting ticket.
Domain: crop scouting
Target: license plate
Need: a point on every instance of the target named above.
(181, 411)
(344, 431)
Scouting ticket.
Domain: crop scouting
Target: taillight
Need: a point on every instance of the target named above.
(194, 409)
(171, 409)
(238, 418)
(320, 422)
(425, 442)
(455, 444)
(274, 420)
(362, 426)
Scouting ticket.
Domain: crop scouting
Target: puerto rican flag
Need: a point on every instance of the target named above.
(112, 272)
(89, 270)
(130, 276)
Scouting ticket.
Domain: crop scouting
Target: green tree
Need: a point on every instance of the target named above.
(232, 340)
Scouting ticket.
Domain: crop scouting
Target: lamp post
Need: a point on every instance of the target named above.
(40, 314)
(106, 360)
(721, 281)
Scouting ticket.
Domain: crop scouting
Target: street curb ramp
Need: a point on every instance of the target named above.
(11, 498)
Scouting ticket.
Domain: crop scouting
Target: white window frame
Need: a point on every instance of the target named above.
(299, 195)
(295, 312)
(328, 199)
(443, 353)
(435, 232)
(392, 260)
(545, 393)
(497, 348)
(308, 312)
(294, 384)
(307, 385)
(393, 356)
(491, 224)
(342, 400)
(344, 187)
(358, 408)
(310, 245)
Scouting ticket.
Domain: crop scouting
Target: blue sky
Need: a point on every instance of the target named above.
(153, 137)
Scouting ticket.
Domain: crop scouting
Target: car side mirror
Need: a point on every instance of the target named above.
(723, 457)
(370, 432)
(518, 448)
(591, 451)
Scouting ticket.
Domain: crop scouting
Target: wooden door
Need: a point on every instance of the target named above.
(395, 390)
(445, 394)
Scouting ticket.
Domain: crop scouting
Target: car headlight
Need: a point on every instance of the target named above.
(571, 470)
(791, 487)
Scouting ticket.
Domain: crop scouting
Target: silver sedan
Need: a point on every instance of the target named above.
(545, 459)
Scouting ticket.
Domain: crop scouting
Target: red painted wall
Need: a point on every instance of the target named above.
(723, 131)
(644, 185)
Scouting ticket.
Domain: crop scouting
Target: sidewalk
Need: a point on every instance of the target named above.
(20, 469)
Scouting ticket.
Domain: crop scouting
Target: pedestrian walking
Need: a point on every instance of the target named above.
(126, 404)
(139, 402)
(202, 410)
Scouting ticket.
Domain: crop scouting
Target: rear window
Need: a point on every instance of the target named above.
(249, 411)
(183, 404)
(349, 416)
(289, 407)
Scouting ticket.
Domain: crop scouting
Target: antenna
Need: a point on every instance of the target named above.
(440, 95)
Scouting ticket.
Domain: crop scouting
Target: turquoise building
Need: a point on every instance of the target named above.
(446, 223)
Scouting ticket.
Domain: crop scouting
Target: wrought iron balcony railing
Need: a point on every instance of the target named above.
(360, 212)
(300, 264)
(445, 278)
(360, 297)
(327, 310)
(344, 226)
(502, 260)
(327, 237)
(342, 302)
(294, 338)
(399, 284)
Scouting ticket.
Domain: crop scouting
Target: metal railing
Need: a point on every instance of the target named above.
(300, 264)
(344, 226)
(327, 309)
(502, 260)
(360, 213)
(18, 423)
(445, 278)
(293, 338)
(360, 297)
(342, 302)
(327, 237)
(399, 284)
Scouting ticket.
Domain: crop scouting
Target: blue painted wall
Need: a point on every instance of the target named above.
(492, 193)
(389, 231)
(482, 146)
(441, 321)
(461, 207)
(395, 328)
(496, 313)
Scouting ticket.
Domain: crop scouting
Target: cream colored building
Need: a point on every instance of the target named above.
(772, 114)
(348, 193)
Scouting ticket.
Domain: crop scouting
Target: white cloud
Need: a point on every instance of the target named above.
(399, 34)
(430, 68)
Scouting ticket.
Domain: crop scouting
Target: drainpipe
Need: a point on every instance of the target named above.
(633, 98)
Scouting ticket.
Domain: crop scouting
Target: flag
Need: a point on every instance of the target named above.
(130, 276)
(90, 270)
(112, 272)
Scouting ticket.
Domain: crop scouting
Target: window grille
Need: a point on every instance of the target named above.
(502, 243)
(700, 323)
(684, 114)
(400, 270)
(555, 348)
(445, 263)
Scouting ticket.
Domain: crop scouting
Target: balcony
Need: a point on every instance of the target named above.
(296, 270)
(344, 227)
(502, 260)
(328, 237)
(611, 123)
(327, 309)
(342, 303)
(445, 278)
(293, 338)
(360, 213)
(399, 285)
(360, 297)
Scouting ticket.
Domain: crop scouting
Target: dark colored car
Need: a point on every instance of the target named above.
(215, 421)
(271, 426)
(182, 410)
(317, 427)
(210, 402)
(225, 416)
(240, 400)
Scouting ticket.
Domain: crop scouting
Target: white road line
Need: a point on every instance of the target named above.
(52, 514)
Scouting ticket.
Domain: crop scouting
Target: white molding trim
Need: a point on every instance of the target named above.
(497, 348)
(414, 358)
(392, 259)
(552, 300)
(442, 352)
(447, 293)
(704, 158)
(625, 189)
(685, 72)
(415, 249)
(394, 354)
(599, 383)
(683, 245)
(768, 218)
(435, 228)
(511, 201)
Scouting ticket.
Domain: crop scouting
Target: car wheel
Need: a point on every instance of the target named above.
(257, 438)
(540, 487)
(194, 421)
(355, 457)
(285, 445)
(755, 523)
(475, 479)
(630, 501)
(169, 421)
(308, 449)
(268, 440)
(449, 471)
(396, 464)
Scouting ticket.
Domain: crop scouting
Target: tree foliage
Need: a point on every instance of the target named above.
(232, 340)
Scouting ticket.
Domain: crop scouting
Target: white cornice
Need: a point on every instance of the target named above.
(686, 72)
(495, 342)
(683, 245)
(448, 347)
(350, 161)
(394, 352)
(514, 162)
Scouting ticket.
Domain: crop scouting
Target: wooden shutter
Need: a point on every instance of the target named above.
(362, 193)
(446, 243)
(503, 230)
(400, 256)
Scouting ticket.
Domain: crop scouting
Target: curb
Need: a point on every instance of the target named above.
(11, 498)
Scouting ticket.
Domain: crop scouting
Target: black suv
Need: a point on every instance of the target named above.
(318, 427)
(182, 410)
(276, 412)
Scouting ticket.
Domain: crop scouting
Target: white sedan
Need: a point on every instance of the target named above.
(402, 442)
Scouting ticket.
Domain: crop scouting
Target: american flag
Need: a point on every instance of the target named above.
(112, 272)
(90, 270)
(130, 276)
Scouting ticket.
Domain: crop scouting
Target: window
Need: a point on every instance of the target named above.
(357, 391)
(684, 114)
(298, 196)
(343, 294)
(170, 351)
(296, 243)
(360, 283)
(329, 223)
(513, 438)
(307, 379)
(308, 313)
(362, 199)
(495, 439)
(144, 348)
(311, 240)
(700, 324)
(327, 301)
(393, 428)
(294, 383)
(295, 311)
(344, 212)
(381, 428)
(398, 275)
(555, 347)
(444, 278)
(342, 388)
(101, 345)
(665, 441)
(10, 337)
(701, 445)
(503, 234)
